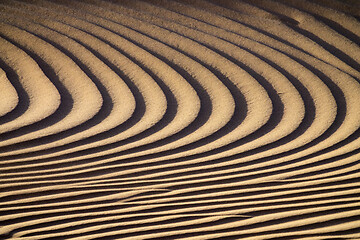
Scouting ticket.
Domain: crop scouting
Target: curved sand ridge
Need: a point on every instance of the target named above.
(160, 119)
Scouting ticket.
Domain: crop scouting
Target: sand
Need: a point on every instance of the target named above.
(179, 119)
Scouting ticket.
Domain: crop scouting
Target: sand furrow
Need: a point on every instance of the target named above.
(119, 103)
(9, 98)
(179, 119)
(309, 26)
(184, 112)
(35, 103)
(77, 108)
(342, 131)
(184, 105)
(276, 24)
(216, 104)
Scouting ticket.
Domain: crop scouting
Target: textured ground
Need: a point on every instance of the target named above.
(189, 119)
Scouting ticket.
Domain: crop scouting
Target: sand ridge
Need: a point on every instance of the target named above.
(179, 119)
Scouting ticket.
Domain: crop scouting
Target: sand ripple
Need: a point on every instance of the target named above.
(189, 119)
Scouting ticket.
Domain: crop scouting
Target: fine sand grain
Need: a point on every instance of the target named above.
(179, 119)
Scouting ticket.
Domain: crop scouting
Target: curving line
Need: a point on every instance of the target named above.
(9, 99)
(210, 120)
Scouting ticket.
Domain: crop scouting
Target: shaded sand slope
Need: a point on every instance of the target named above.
(191, 119)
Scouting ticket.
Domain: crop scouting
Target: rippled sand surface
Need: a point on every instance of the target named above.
(188, 119)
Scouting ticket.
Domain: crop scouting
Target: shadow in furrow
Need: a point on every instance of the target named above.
(276, 115)
(169, 115)
(131, 220)
(32, 207)
(330, 23)
(159, 230)
(255, 209)
(254, 196)
(133, 120)
(310, 113)
(332, 49)
(339, 94)
(327, 46)
(339, 29)
(52, 194)
(256, 202)
(273, 121)
(235, 178)
(311, 174)
(101, 210)
(228, 223)
(64, 108)
(340, 103)
(24, 100)
(307, 236)
(341, 112)
(238, 177)
(254, 28)
(277, 104)
(204, 114)
(205, 111)
(292, 23)
(104, 111)
(309, 117)
(294, 229)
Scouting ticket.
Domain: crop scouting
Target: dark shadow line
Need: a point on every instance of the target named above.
(61, 112)
(340, 101)
(230, 220)
(341, 112)
(303, 126)
(249, 207)
(309, 226)
(223, 78)
(251, 196)
(292, 23)
(23, 97)
(336, 8)
(68, 230)
(339, 98)
(330, 48)
(327, 46)
(151, 231)
(236, 174)
(339, 29)
(330, 23)
(205, 108)
(268, 34)
(240, 111)
(172, 104)
(98, 209)
(104, 111)
(134, 119)
(340, 115)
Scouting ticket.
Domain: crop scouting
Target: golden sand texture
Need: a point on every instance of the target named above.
(179, 119)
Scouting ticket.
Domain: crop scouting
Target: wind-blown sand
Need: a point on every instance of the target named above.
(189, 119)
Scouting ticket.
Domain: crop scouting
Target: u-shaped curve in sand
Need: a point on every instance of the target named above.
(179, 119)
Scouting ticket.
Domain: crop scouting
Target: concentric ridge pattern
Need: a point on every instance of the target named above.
(179, 119)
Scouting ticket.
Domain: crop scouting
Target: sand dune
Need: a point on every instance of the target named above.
(179, 119)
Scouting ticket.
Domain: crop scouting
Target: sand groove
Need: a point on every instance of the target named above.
(179, 119)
